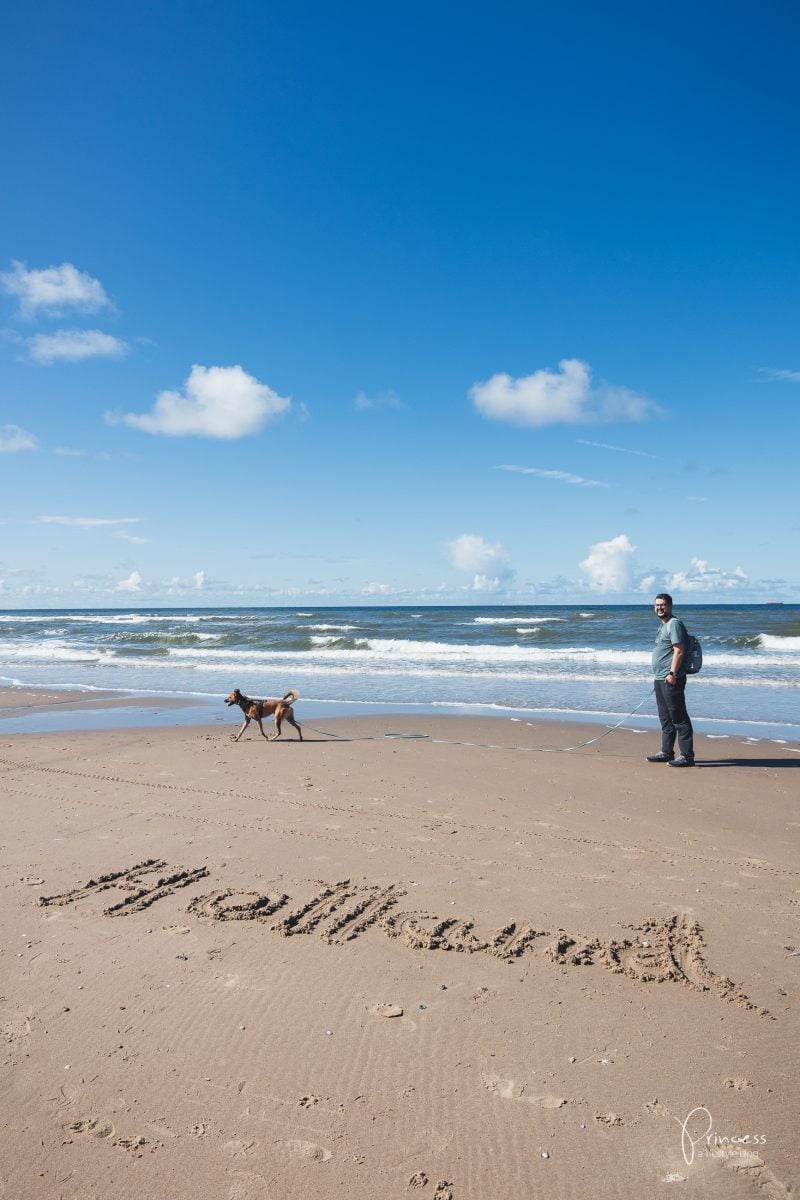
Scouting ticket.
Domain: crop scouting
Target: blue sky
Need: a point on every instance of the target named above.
(441, 303)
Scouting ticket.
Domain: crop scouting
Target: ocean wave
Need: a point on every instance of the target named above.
(339, 643)
(56, 651)
(138, 618)
(514, 620)
(784, 645)
(380, 654)
(349, 666)
(164, 640)
(135, 618)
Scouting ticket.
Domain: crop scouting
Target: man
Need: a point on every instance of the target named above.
(670, 685)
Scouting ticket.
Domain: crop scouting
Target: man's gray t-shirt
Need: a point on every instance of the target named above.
(671, 633)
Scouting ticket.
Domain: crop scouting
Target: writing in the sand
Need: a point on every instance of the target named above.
(659, 950)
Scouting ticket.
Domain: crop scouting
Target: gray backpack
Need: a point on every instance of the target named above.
(693, 658)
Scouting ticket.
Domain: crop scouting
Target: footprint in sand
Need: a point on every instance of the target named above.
(93, 1126)
(308, 1101)
(507, 1089)
(504, 1088)
(198, 1130)
(308, 1150)
(608, 1118)
(238, 1147)
(418, 1180)
(32, 880)
(14, 1031)
(247, 1185)
(137, 1142)
(444, 1190)
(387, 1010)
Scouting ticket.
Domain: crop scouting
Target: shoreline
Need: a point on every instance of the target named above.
(28, 710)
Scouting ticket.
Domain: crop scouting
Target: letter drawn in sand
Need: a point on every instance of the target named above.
(130, 880)
(672, 948)
(574, 952)
(423, 931)
(513, 940)
(371, 906)
(251, 906)
(112, 879)
(341, 911)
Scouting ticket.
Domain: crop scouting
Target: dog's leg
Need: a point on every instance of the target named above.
(261, 728)
(277, 733)
(291, 720)
(245, 723)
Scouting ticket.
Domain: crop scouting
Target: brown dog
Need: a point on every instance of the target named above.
(256, 710)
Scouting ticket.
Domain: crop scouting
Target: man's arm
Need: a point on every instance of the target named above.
(677, 659)
(678, 649)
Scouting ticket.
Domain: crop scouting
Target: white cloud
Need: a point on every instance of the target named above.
(486, 583)
(777, 373)
(54, 289)
(132, 584)
(565, 396)
(132, 538)
(14, 439)
(218, 402)
(387, 399)
(561, 476)
(618, 449)
(701, 577)
(74, 345)
(89, 522)
(199, 579)
(488, 564)
(373, 588)
(609, 565)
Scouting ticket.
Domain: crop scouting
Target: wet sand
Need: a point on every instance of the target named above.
(396, 967)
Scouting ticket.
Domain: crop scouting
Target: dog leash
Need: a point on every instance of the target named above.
(418, 737)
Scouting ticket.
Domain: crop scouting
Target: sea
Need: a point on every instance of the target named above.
(566, 662)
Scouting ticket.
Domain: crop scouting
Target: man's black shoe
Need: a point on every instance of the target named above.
(668, 758)
(681, 762)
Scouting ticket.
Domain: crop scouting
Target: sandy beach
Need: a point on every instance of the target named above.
(397, 966)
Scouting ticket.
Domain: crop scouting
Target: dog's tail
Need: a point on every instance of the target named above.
(290, 697)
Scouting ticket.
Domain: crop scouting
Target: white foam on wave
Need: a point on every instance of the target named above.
(784, 645)
(55, 650)
(394, 649)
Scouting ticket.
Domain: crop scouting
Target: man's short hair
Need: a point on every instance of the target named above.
(665, 596)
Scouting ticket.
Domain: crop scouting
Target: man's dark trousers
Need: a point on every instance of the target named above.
(674, 718)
